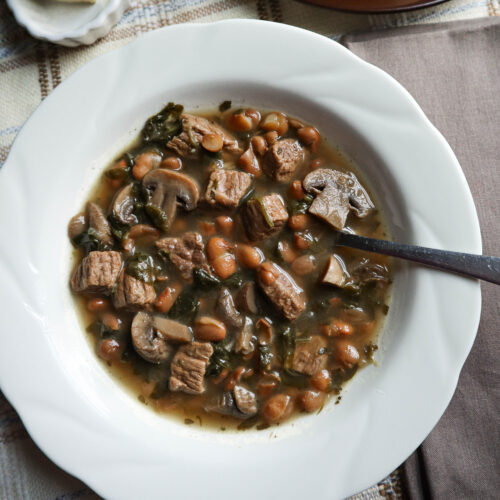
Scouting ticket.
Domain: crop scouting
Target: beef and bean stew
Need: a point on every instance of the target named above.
(207, 270)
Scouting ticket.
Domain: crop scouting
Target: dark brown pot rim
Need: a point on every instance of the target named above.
(415, 5)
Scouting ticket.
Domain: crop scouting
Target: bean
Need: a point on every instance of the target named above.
(144, 163)
(265, 388)
(254, 116)
(224, 224)
(271, 137)
(234, 378)
(276, 122)
(346, 354)
(310, 137)
(277, 408)
(311, 400)
(224, 266)
(296, 190)
(209, 329)
(299, 222)
(249, 163)
(110, 350)
(239, 122)
(259, 144)
(212, 142)
(295, 123)
(267, 273)
(128, 245)
(166, 299)
(300, 242)
(144, 231)
(321, 380)
(338, 327)
(172, 163)
(287, 253)
(207, 228)
(111, 321)
(305, 264)
(316, 163)
(248, 256)
(97, 304)
(216, 247)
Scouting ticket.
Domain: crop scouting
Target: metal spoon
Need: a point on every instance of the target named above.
(475, 266)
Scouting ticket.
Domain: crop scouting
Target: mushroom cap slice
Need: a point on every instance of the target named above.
(170, 190)
(337, 193)
(335, 273)
(123, 206)
(98, 221)
(151, 335)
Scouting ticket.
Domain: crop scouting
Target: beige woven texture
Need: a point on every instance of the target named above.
(30, 70)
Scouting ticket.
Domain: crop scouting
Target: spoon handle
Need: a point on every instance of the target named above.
(475, 266)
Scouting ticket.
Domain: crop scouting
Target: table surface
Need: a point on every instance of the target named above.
(31, 69)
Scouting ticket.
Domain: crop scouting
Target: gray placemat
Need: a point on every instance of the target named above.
(453, 71)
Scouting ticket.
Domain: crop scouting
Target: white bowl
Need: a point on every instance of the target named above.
(68, 24)
(82, 419)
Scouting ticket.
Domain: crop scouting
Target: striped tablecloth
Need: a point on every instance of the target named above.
(30, 70)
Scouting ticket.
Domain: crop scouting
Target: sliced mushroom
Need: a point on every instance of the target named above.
(226, 310)
(123, 206)
(337, 193)
(151, 335)
(336, 273)
(77, 225)
(97, 221)
(244, 343)
(245, 400)
(170, 190)
(247, 298)
(223, 404)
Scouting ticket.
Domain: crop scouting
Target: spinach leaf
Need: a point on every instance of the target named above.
(220, 358)
(205, 280)
(224, 106)
(89, 241)
(164, 125)
(143, 267)
(287, 338)
(118, 229)
(300, 206)
(186, 306)
(265, 357)
(235, 280)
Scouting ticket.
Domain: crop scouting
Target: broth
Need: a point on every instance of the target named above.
(343, 320)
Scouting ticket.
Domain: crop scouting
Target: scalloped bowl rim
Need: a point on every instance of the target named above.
(73, 409)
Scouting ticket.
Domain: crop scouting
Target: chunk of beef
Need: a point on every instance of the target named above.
(280, 288)
(310, 357)
(189, 366)
(194, 128)
(264, 217)
(186, 253)
(98, 222)
(132, 293)
(226, 188)
(283, 158)
(97, 272)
